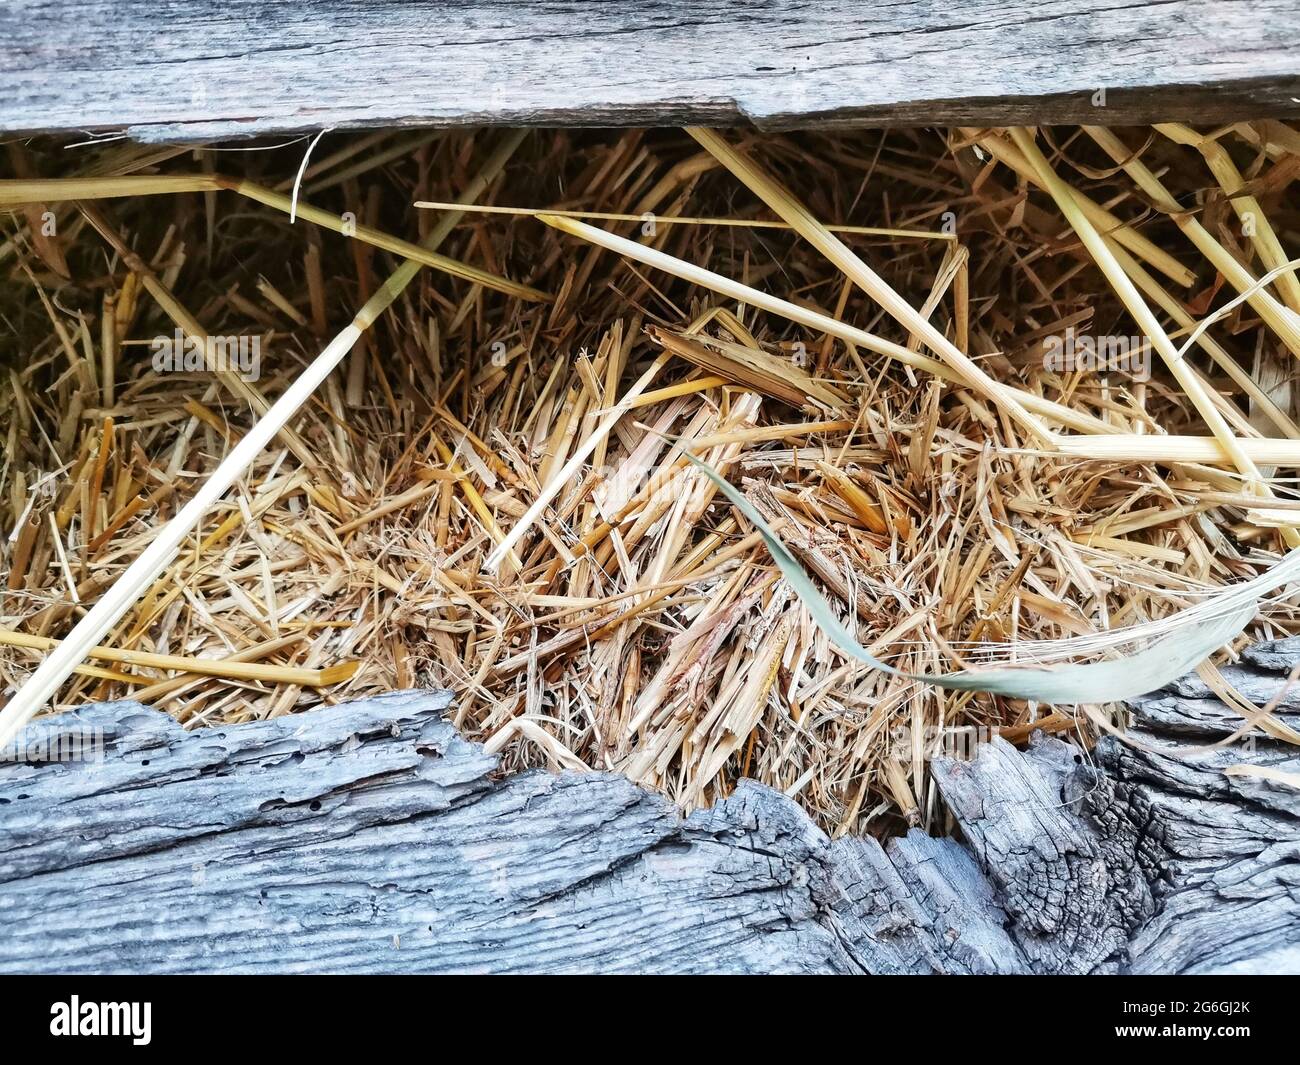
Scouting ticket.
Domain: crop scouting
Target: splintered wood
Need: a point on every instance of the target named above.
(991, 387)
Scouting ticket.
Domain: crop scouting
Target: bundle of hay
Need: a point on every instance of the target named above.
(991, 388)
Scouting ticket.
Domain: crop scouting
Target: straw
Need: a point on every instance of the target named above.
(69, 653)
(1007, 512)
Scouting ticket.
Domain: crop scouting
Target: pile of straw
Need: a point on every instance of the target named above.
(488, 495)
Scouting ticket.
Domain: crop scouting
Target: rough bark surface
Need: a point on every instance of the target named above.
(210, 71)
(370, 837)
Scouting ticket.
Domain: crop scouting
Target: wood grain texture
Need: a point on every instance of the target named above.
(370, 837)
(210, 71)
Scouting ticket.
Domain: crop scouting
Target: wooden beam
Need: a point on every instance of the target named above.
(370, 837)
(212, 71)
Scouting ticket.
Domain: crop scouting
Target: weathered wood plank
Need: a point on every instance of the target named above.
(370, 837)
(241, 67)
(1221, 853)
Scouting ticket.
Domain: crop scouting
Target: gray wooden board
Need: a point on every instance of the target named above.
(371, 837)
(211, 71)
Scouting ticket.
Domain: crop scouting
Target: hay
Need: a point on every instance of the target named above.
(484, 495)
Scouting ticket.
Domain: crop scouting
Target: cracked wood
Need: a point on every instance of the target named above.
(370, 837)
(208, 71)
